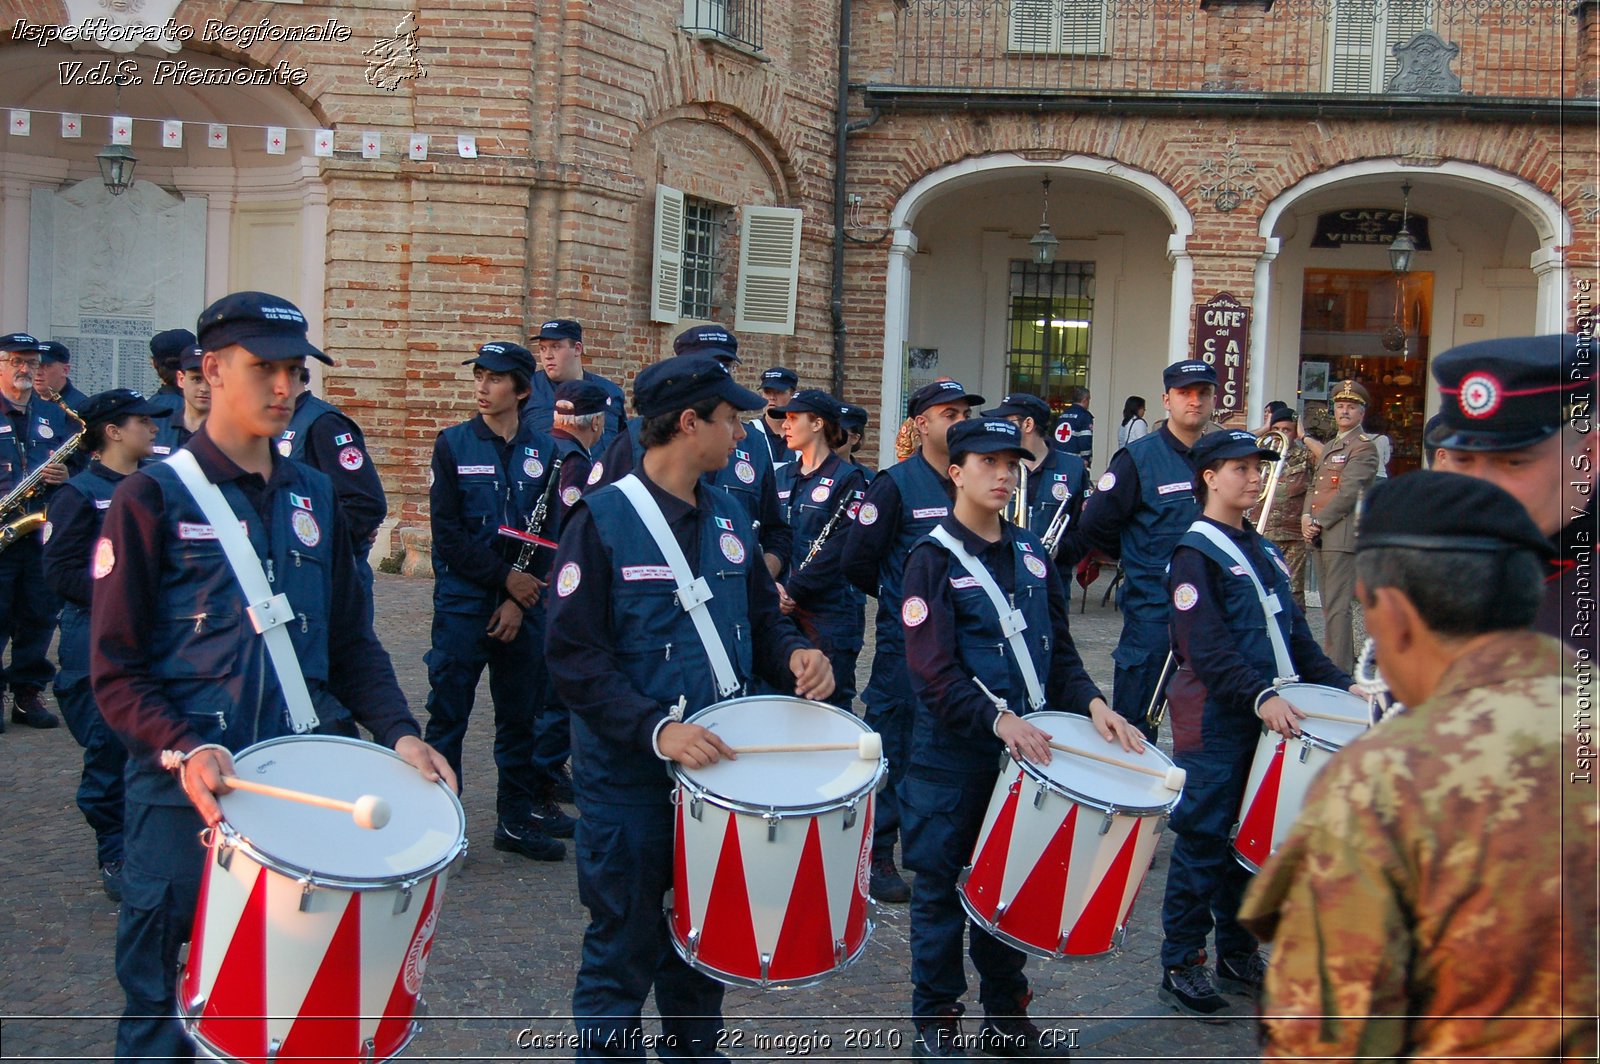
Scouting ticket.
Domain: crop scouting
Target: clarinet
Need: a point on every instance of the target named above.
(827, 530)
(537, 518)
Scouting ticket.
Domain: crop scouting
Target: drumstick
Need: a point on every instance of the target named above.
(869, 747)
(369, 811)
(1172, 778)
(1329, 716)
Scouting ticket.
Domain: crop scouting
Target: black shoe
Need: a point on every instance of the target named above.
(1188, 987)
(1015, 1035)
(561, 788)
(551, 819)
(528, 840)
(111, 879)
(940, 1036)
(886, 884)
(1243, 973)
(28, 708)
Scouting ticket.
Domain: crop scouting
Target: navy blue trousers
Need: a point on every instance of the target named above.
(1205, 884)
(27, 617)
(1139, 655)
(104, 758)
(889, 708)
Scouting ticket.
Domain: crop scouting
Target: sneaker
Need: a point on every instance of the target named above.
(1243, 973)
(525, 838)
(28, 708)
(1188, 987)
(111, 879)
(551, 819)
(940, 1036)
(1015, 1035)
(886, 884)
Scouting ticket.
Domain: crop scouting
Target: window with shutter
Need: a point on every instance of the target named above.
(667, 256)
(769, 270)
(1057, 27)
(1362, 38)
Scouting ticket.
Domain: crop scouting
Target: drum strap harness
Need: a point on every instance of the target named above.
(1012, 623)
(1270, 605)
(267, 612)
(693, 592)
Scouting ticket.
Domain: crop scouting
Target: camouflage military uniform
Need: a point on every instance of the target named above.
(1282, 525)
(1436, 896)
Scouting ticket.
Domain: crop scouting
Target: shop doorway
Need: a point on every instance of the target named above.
(1373, 326)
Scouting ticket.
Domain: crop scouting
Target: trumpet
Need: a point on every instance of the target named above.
(15, 522)
(1278, 442)
(1057, 527)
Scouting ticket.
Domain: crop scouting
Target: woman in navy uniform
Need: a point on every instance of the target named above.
(971, 691)
(120, 434)
(178, 669)
(814, 490)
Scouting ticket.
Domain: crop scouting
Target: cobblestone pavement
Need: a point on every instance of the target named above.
(499, 981)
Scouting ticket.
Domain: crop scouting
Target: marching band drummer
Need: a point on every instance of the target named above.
(819, 490)
(630, 661)
(972, 684)
(1224, 576)
(491, 471)
(180, 673)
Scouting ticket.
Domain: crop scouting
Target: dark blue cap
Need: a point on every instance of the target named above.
(108, 406)
(268, 326)
(1229, 443)
(20, 342)
(1504, 395)
(854, 418)
(711, 340)
(580, 398)
(683, 380)
(169, 346)
(561, 329)
(1189, 371)
(1282, 414)
(984, 435)
(503, 356)
(1022, 404)
(190, 359)
(813, 401)
(1446, 511)
(937, 393)
(55, 351)
(779, 379)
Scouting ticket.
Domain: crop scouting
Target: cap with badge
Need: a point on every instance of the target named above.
(503, 356)
(1021, 404)
(105, 407)
(779, 379)
(937, 393)
(813, 401)
(1504, 395)
(985, 435)
(561, 329)
(1351, 391)
(170, 344)
(580, 398)
(1282, 415)
(854, 418)
(1230, 443)
(683, 380)
(1446, 511)
(190, 359)
(269, 327)
(19, 341)
(711, 340)
(55, 351)
(1189, 372)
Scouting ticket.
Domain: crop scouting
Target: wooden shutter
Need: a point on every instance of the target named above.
(1353, 40)
(666, 273)
(1033, 27)
(769, 270)
(1082, 26)
(1404, 20)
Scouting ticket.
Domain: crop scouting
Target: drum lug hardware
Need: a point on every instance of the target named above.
(695, 807)
(766, 962)
(850, 816)
(693, 944)
(306, 888)
(1038, 798)
(402, 901)
(224, 855)
(369, 1049)
(838, 952)
(1305, 751)
(1161, 824)
(1105, 825)
(772, 820)
(1000, 912)
(274, 1045)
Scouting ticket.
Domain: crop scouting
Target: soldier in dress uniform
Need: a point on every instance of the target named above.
(174, 430)
(1347, 468)
(1435, 899)
(560, 347)
(1282, 525)
(1519, 413)
(1054, 476)
(54, 383)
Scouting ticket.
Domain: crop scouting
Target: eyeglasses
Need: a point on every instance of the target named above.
(25, 363)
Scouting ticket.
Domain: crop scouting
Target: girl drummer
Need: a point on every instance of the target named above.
(971, 691)
(821, 492)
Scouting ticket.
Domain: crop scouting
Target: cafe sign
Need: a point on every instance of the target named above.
(1222, 339)
(1368, 225)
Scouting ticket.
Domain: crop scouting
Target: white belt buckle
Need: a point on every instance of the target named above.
(1013, 624)
(693, 594)
(271, 613)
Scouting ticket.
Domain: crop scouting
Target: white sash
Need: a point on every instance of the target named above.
(1012, 624)
(1270, 605)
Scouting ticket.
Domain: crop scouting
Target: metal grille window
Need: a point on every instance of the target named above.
(1362, 38)
(1050, 320)
(701, 223)
(739, 21)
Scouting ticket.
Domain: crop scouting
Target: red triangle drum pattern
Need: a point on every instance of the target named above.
(235, 1016)
(982, 888)
(805, 945)
(728, 939)
(1259, 821)
(328, 1029)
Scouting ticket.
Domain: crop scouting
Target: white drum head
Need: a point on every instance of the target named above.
(1101, 784)
(425, 831)
(1315, 698)
(796, 780)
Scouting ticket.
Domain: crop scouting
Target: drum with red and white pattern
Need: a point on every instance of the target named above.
(312, 934)
(1064, 847)
(1283, 769)
(773, 850)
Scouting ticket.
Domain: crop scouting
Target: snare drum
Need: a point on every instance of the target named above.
(312, 934)
(773, 851)
(1065, 847)
(1283, 768)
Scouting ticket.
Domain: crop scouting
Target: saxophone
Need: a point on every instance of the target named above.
(15, 520)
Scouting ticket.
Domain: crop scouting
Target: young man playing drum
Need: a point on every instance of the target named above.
(968, 710)
(1224, 578)
(178, 667)
(635, 645)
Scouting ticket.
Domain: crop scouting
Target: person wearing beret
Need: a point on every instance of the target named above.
(903, 503)
(778, 386)
(167, 349)
(54, 382)
(121, 428)
(1346, 468)
(1436, 896)
(1236, 632)
(1057, 481)
(173, 431)
(1519, 413)
(490, 472)
(560, 352)
(180, 674)
(970, 706)
(1282, 524)
(32, 431)
(631, 663)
